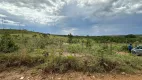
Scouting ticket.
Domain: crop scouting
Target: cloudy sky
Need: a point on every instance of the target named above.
(79, 17)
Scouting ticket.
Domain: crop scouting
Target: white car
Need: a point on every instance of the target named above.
(137, 50)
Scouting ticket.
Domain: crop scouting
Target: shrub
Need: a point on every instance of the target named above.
(70, 37)
(12, 60)
(130, 36)
(7, 45)
(124, 48)
(89, 43)
(121, 63)
(74, 48)
(59, 64)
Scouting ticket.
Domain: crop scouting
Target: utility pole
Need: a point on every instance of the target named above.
(2, 23)
(19, 26)
(3, 19)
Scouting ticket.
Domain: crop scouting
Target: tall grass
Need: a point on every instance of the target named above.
(20, 59)
(95, 57)
(53, 63)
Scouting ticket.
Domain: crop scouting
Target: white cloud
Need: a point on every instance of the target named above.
(72, 15)
(10, 22)
(42, 14)
(105, 29)
(68, 30)
(2, 16)
(46, 11)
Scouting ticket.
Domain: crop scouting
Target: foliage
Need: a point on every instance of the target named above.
(74, 48)
(124, 48)
(88, 42)
(130, 36)
(20, 59)
(53, 53)
(70, 37)
(7, 45)
(13, 31)
(60, 64)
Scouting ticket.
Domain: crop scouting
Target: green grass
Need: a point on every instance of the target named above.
(98, 57)
(61, 64)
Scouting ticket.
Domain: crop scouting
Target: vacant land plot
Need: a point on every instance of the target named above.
(53, 57)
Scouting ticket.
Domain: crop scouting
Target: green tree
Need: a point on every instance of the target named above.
(88, 42)
(130, 36)
(7, 45)
(70, 37)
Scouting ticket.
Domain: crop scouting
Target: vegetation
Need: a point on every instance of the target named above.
(6, 44)
(59, 54)
(70, 36)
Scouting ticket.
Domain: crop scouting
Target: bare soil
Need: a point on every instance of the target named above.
(32, 75)
(123, 53)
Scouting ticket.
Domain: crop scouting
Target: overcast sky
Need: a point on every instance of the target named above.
(79, 17)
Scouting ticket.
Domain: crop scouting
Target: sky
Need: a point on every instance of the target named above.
(79, 17)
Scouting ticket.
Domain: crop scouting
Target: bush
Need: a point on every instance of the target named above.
(89, 43)
(124, 48)
(70, 37)
(130, 36)
(59, 64)
(122, 63)
(12, 60)
(74, 48)
(62, 64)
(7, 45)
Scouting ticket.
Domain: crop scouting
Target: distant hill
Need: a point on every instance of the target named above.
(14, 31)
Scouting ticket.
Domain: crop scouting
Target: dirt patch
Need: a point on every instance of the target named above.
(28, 75)
(122, 53)
(71, 54)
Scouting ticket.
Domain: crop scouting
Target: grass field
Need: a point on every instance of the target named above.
(60, 54)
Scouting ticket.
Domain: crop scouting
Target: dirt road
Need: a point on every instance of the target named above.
(30, 75)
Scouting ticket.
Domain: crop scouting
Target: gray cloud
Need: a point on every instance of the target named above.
(70, 8)
(72, 14)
